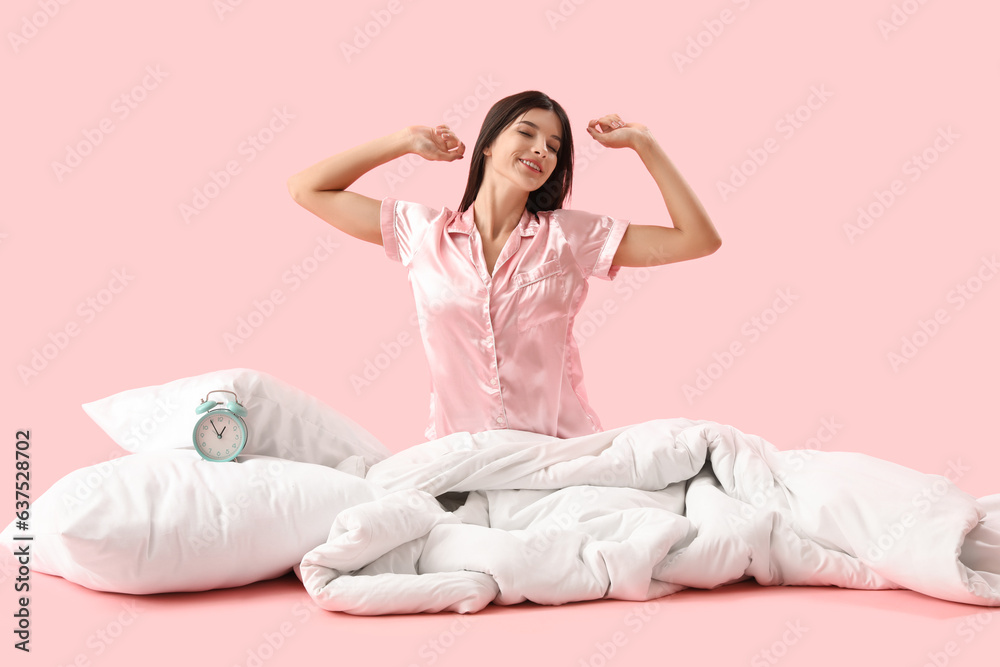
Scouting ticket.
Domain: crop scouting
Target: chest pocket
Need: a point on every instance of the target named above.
(540, 294)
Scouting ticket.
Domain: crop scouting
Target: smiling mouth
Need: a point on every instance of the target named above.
(530, 166)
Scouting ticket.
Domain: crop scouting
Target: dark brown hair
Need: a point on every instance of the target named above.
(552, 194)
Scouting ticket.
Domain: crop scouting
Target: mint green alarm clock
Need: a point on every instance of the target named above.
(220, 434)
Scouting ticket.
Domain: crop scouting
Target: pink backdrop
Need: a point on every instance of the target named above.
(128, 256)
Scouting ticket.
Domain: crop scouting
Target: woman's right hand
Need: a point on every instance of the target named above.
(437, 143)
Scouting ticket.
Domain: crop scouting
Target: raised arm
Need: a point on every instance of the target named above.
(321, 189)
(693, 234)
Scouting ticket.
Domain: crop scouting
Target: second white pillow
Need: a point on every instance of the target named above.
(167, 521)
(283, 421)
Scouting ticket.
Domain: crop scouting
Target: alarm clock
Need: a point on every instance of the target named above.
(220, 434)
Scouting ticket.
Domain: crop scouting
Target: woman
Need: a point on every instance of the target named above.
(498, 282)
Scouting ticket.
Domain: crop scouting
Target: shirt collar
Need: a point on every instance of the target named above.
(463, 222)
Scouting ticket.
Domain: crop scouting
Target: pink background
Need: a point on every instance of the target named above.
(62, 238)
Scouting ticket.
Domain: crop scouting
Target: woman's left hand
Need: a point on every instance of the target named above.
(613, 132)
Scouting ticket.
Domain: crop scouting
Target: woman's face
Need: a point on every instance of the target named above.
(534, 137)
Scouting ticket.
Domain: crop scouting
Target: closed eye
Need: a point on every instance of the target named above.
(549, 145)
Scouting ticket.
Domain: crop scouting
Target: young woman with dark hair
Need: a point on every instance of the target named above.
(499, 281)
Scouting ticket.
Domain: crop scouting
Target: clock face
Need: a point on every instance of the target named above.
(219, 436)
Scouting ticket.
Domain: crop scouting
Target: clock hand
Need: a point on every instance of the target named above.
(214, 429)
(223, 430)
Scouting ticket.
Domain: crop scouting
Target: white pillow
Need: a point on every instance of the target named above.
(167, 521)
(282, 421)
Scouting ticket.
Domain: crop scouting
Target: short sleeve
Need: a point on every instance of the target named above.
(404, 225)
(594, 240)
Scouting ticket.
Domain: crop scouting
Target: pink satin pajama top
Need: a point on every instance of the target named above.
(500, 347)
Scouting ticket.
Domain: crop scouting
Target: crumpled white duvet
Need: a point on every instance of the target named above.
(643, 511)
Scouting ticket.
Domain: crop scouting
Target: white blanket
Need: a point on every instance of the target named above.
(643, 511)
